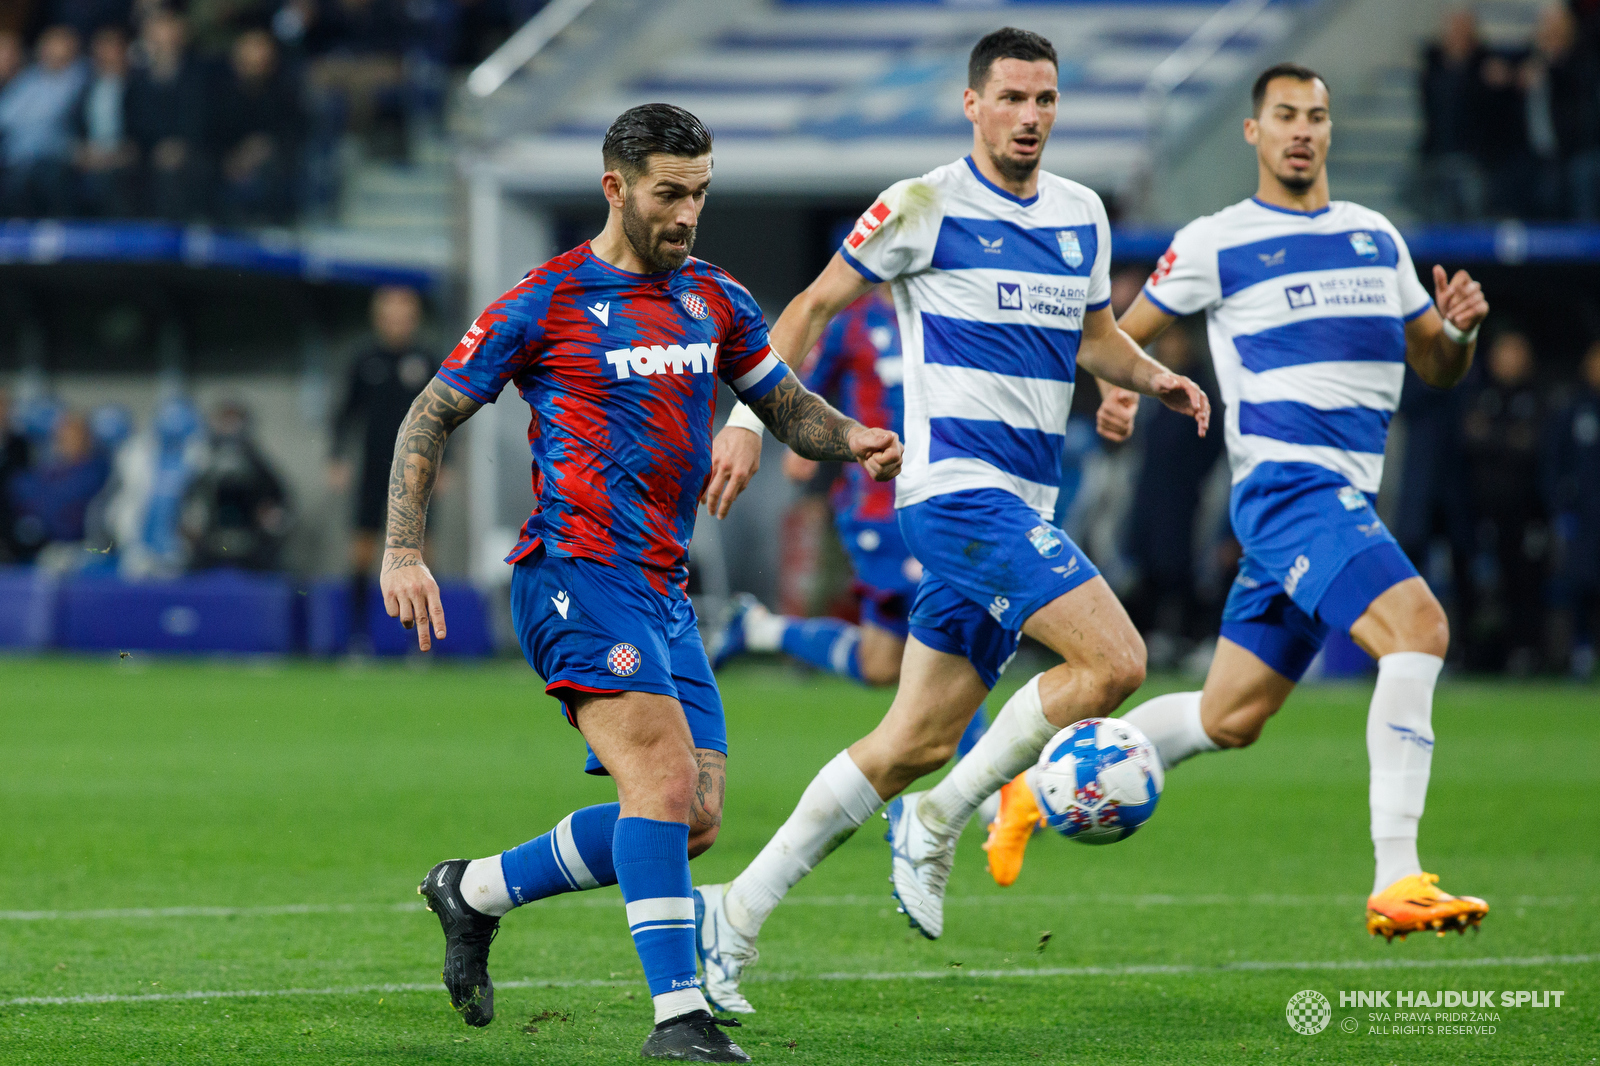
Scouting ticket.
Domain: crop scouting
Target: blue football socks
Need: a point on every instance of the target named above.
(826, 643)
(575, 855)
(652, 864)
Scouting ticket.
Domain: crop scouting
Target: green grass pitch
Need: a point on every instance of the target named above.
(272, 821)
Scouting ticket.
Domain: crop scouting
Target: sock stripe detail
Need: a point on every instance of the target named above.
(663, 910)
(839, 654)
(570, 858)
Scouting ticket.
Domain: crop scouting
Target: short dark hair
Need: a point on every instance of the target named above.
(642, 131)
(1258, 91)
(1006, 43)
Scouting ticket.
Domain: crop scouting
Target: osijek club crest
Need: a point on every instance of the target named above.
(1071, 250)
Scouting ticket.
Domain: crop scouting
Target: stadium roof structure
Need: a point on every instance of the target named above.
(838, 98)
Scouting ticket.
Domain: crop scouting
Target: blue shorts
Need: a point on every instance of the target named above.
(1315, 557)
(886, 573)
(989, 562)
(589, 627)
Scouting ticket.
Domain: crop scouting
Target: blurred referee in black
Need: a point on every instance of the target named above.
(385, 377)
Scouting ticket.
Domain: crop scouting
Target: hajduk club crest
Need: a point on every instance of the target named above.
(694, 306)
(1071, 250)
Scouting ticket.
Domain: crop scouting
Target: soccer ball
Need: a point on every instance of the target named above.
(1097, 781)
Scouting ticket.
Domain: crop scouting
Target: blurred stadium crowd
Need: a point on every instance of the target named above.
(1513, 132)
(235, 111)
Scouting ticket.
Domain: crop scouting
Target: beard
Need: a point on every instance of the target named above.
(646, 243)
(1012, 169)
(1296, 182)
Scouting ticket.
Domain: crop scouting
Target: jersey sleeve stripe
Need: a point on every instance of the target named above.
(1016, 350)
(859, 267)
(1026, 453)
(1151, 296)
(1419, 312)
(1351, 429)
(461, 383)
(1097, 306)
(1366, 338)
(763, 379)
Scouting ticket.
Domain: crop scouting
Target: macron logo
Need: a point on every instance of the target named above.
(562, 603)
(602, 311)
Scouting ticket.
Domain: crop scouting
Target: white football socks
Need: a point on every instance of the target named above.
(763, 630)
(1400, 751)
(1172, 722)
(483, 886)
(838, 801)
(1012, 744)
(678, 1002)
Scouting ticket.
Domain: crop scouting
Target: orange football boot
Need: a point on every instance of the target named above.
(1011, 830)
(1416, 904)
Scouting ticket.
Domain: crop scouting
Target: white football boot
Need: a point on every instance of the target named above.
(920, 865)
(724, 951)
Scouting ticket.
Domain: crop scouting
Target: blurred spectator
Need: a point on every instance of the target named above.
(106, 154)
(1502, 147)
(13, 461)
(13, 57)
(1165, 604)
(256, 129)
(51, 499)
(1572, 489)
(166, 116)
(1433, 499)
(153, 473)
(1561, 88)
(1453, 183)
(88, 17)
(236, 511)
(36, 122)
(384, 379)
(1501, 431)
(357, 70)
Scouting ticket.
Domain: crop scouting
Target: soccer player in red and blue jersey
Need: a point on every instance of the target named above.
(617, 346)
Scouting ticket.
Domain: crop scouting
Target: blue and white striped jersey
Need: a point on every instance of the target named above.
(991, 292)
(1306, 315)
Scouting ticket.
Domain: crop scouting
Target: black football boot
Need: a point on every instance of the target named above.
(467, 936)
(693, 1037)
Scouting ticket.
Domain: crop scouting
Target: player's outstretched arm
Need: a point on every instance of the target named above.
(1143, 322)
(736, 453)
(1111, 354)
(811, 426)
(409, 590)
(1441, 341)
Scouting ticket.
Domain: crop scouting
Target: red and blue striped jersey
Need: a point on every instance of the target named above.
(621, 372)
(857, 364)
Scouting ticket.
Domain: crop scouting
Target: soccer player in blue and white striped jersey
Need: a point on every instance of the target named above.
(1314, 310)
(1000, 279)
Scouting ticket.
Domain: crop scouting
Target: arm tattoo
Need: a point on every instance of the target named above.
(806, 422)
(418, 448)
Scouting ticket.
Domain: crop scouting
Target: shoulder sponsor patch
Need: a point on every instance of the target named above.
(1164, 266)
(870, 222)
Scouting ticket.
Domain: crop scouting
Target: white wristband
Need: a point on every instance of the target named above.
(1462, 337)
(742, 417)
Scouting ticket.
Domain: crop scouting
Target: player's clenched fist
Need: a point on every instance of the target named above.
(878, 451)
(411, 594)
(1460, 300)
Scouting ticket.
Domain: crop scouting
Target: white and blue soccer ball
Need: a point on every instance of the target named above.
(1097, 781)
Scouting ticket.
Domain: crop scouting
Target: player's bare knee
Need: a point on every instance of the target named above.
(701, 837)
(1427, 629)
(1242, 727)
